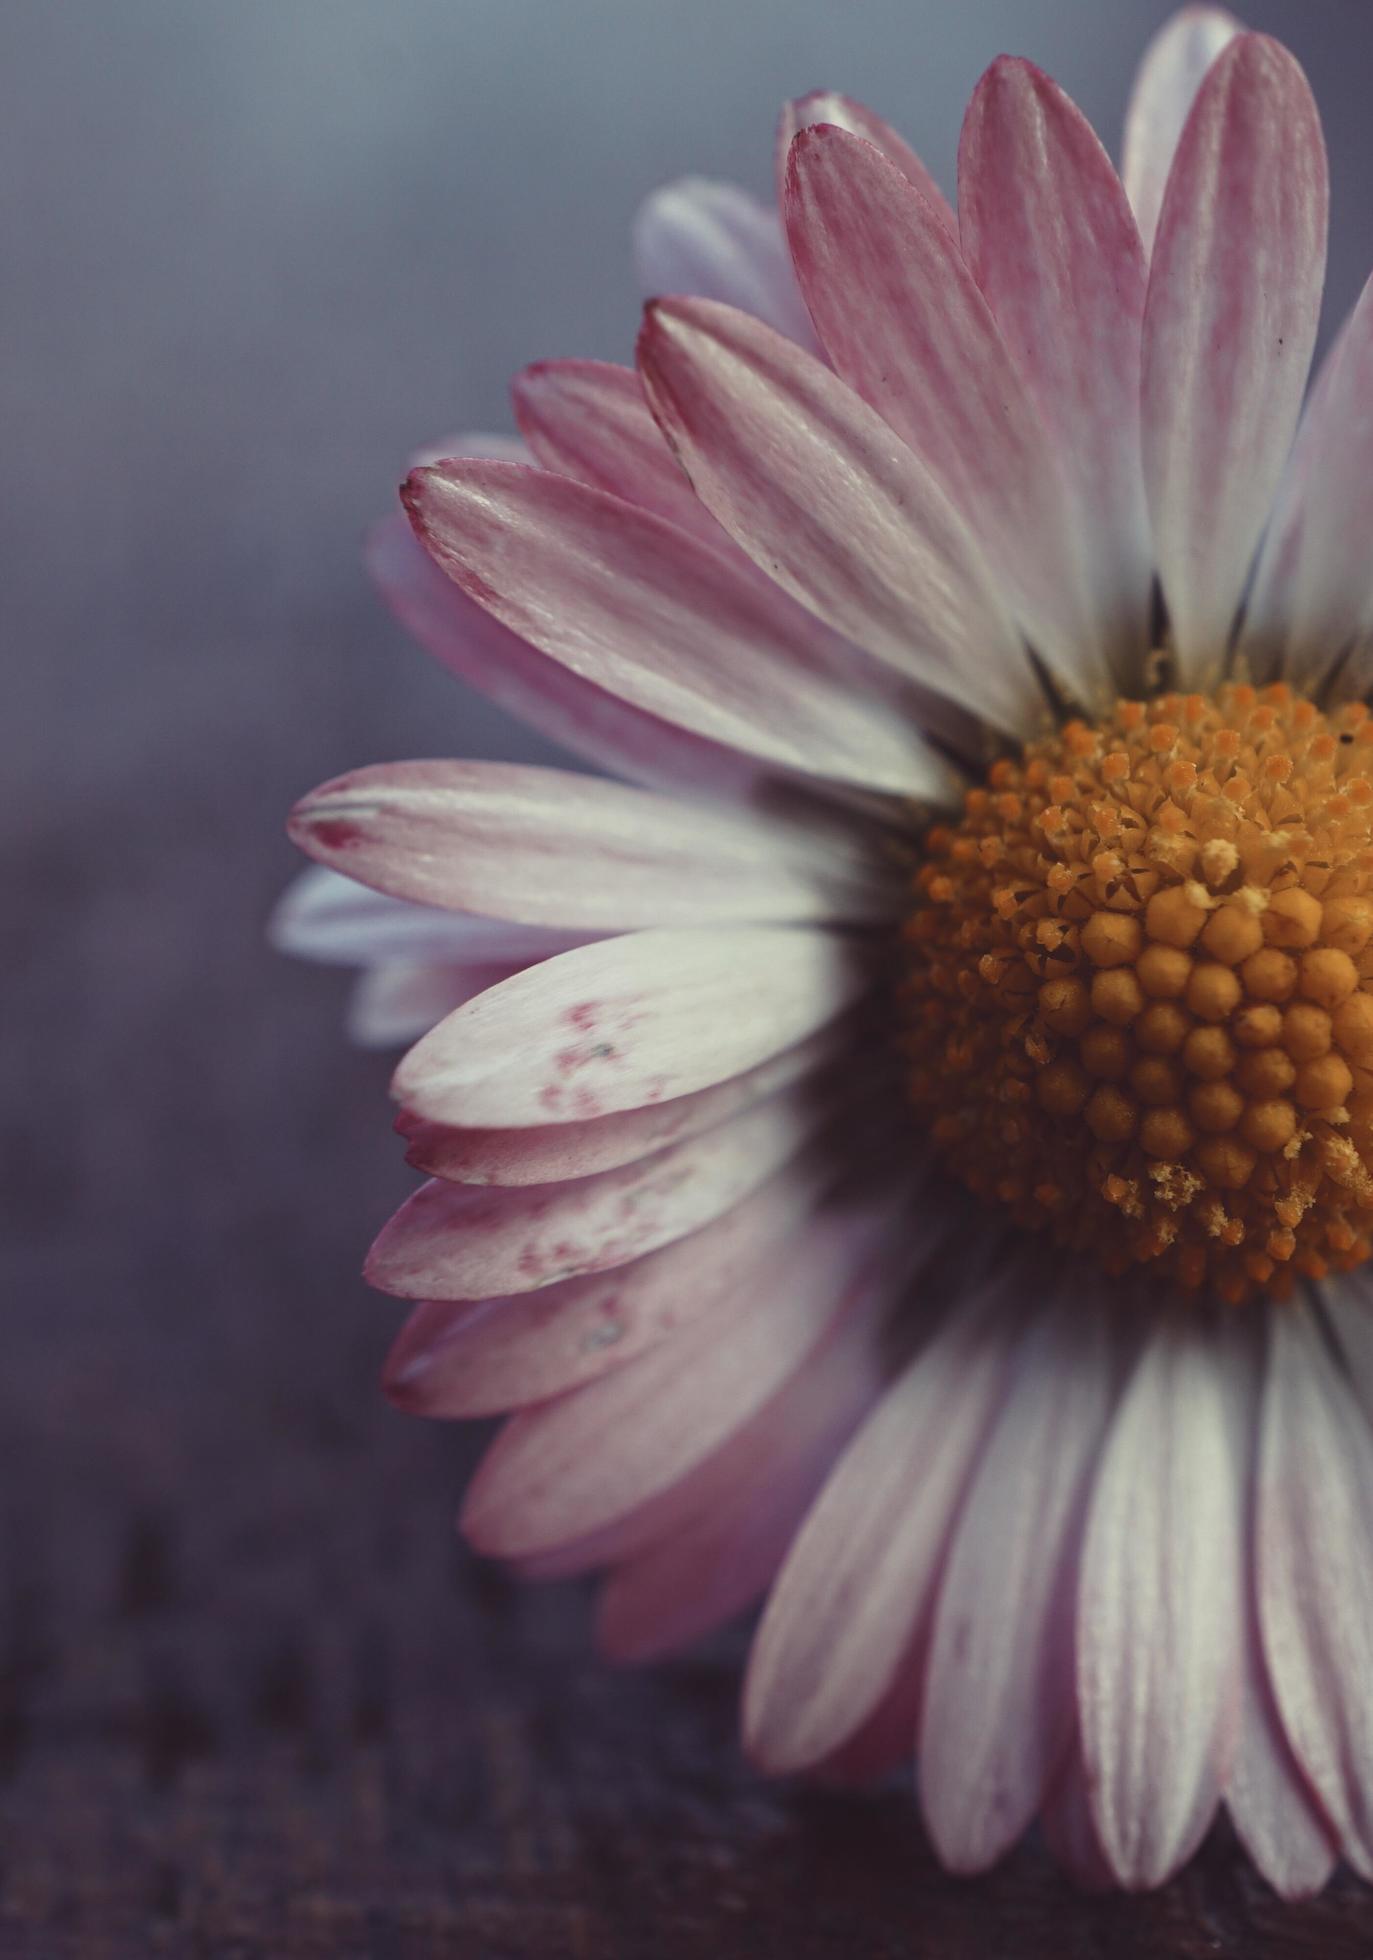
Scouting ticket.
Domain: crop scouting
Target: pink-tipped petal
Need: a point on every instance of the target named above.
(587, 720)
(478, 1359)
(1050, 239)
(904, 323)
(546, 848)
(324, 916)
(859, 1580)
(679, 630)
(619, 1452)
(724, 1558)
(1000, 1713)
(823, 495)
(1314, 1555)
(467, 1242)
(825, 106)
(1312, 600)
(393, 1005)
(1229, 325)
(716, 241)
(1166, 83)
(1159, 1611)
(555, 1151)
(626, 1022)
(589, 420)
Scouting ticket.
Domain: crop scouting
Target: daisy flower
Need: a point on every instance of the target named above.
(900, 1135)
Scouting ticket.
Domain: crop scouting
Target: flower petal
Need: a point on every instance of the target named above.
(1159, 1612)
(821, 493)
(1314, 1551)
(589, 420)
(393, 1005)
(721, 1560)
(904, 323)
(624, 1447)
(715, 240)
(1049, 238)
(824, 105)
(1070, 1834)
(553, 1152)
(626, 1022)
(1000, 1715)
(551, 849)
(1312, 599)
(468, 1242)
(852, 1595)
(1166, 83)
(677, 629)
(1275, 1811)
(471, 442)
(560, 705)
(324, 916)
(1348, 1304)
(1229, 325)
(484, 1358)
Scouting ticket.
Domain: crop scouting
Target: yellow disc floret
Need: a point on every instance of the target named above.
(1138, 993)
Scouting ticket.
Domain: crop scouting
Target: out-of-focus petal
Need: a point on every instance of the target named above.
(324, 916)
(724, 1557)
(1070, 1834)
(715, 240)
(1166, 83)
(622, 1448)
(393, 1005)
(470, 442)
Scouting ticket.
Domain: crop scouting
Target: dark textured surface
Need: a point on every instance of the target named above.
(253, 1700)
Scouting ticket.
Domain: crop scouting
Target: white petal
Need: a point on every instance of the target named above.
(1000, 1713)
(1159, 1612)
(324, 916)
(1172, 70)
(626, 1022)
(853, 1594)
(716, 241)
(1314, 1549)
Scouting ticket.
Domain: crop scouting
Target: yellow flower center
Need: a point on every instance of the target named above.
(1138, 993)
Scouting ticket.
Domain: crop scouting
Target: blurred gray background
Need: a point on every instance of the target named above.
(252, 253)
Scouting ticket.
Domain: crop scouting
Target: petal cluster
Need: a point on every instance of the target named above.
(893, 491)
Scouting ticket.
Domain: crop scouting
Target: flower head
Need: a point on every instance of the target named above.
(901, 1139)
